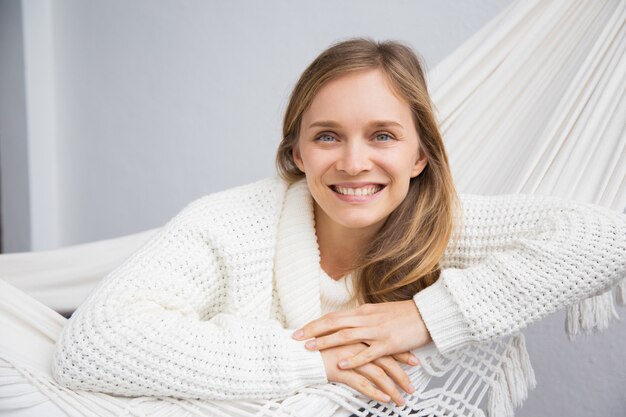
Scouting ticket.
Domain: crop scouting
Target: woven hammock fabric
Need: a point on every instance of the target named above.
(532, 103)
(535, 103)
(62, 278)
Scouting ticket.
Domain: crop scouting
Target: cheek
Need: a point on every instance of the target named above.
(320, 161)
(405, 164)
(400, 191)
(397, 163)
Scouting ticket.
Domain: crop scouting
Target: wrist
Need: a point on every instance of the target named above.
(423, 334)
(447, 326)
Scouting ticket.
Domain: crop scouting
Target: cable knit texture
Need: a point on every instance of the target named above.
(521, 257)
(206, 308)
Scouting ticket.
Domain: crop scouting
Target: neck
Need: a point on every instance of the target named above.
(340, 246)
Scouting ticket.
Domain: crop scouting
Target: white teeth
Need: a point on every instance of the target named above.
(358, 191)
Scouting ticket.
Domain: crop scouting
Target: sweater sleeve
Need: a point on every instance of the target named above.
(157, 326)
(518, 259)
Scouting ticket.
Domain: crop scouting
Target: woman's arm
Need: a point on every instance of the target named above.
(157, 326)
(519, 258)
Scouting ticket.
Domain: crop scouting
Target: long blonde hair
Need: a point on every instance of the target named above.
(404, 256)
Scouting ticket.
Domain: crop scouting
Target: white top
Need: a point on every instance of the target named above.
(335, 294)
(205, 310)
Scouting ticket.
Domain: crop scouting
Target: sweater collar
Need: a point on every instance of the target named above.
(297, 265)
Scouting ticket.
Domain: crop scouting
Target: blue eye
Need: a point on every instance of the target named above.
(384, 135)
(325, 138)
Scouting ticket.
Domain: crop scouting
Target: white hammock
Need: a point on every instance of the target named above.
(553, 71)
(62, 278)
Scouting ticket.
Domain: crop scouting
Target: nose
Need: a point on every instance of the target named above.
(355, 158)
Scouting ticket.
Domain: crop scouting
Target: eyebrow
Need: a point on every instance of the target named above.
(373, 123)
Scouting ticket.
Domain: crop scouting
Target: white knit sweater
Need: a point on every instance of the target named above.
(206, 308)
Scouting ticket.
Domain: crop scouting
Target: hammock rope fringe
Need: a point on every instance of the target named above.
(594, 314)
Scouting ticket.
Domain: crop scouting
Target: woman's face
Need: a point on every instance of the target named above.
(358, 147)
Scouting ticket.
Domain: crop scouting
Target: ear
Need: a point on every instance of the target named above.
(420, 164)
(297, 159)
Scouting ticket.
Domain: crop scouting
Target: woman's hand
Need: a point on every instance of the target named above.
(382, 372)
(388, 329)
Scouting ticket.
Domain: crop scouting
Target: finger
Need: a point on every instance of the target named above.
(329, 323)
(364, 386)
(370, 354)
(379, 377)
(406, 357)
(395, 372)
(339, 338)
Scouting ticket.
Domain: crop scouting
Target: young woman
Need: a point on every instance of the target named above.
(363, 249)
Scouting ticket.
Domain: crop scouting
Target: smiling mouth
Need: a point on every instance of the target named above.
(361, 191)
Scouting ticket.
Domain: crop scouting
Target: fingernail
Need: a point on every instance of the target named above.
(311, 344)
(400, 401)
(343, 363)
(298, 334)
(386, 398)
(411, 389)
(413, 360)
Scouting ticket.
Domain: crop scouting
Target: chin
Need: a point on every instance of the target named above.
(358, 222)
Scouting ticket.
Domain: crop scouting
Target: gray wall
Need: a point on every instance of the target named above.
(114, 115)
(136, 108)
(14, 197)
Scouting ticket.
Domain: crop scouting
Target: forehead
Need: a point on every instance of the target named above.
(359, 96)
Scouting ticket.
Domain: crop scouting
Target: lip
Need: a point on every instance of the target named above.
(357, 184)
(357, 198)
